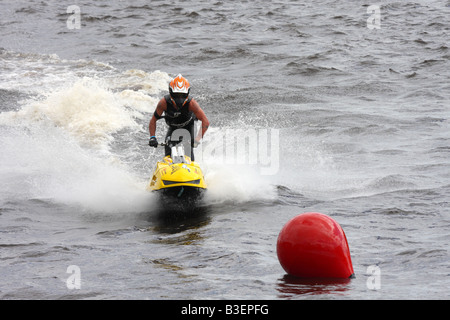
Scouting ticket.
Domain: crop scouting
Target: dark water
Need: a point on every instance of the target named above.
(356, 120)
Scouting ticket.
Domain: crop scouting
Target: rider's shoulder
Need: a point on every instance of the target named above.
(194, 103)
(162, 103)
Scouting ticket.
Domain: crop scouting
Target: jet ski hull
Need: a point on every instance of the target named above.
(178, 180)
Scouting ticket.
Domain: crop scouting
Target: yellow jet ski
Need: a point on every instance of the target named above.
(177, 176)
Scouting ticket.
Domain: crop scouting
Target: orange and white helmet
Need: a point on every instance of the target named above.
(179, 85)
(179, 90)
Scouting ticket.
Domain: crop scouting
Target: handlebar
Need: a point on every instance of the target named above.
(165, 144)
(173, 144)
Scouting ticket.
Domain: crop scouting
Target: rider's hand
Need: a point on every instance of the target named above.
(153, 142)
(196, 143)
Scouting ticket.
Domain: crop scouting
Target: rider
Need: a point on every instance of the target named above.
(180, 113)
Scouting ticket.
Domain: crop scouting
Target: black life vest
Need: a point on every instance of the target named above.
(178, 117)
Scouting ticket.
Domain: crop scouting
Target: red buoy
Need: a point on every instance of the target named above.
(314, 245)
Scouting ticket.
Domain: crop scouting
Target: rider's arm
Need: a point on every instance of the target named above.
(195, 108)
(160, 108)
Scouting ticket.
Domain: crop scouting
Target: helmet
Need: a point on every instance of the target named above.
(179, 90)
(179, 84)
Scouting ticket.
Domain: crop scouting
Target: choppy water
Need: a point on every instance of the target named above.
(362, 120)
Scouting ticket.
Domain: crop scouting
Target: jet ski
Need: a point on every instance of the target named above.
(177, 177)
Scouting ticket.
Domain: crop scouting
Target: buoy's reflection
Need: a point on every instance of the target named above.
(290, 286)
